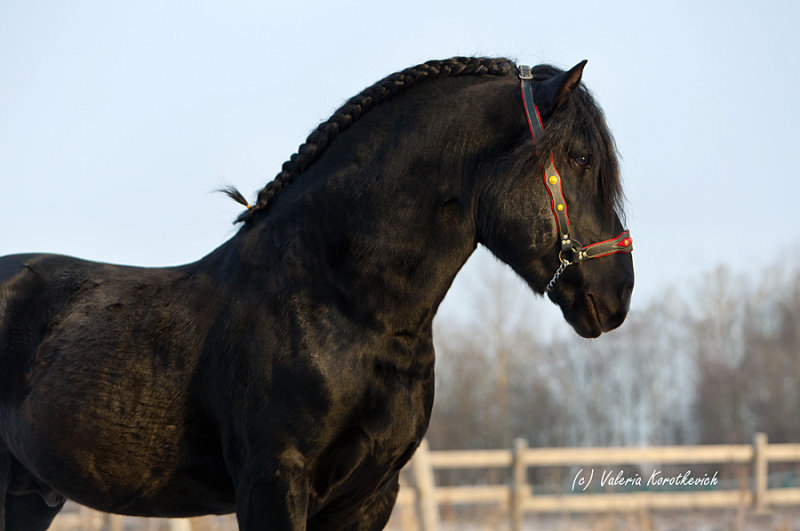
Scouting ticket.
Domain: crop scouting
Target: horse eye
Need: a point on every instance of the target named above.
(581, 161)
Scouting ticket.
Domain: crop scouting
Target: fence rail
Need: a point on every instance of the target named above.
(520, 498)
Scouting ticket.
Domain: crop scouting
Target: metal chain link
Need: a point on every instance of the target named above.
(559, 272)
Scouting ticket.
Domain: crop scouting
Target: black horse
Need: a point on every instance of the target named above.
(288, 375)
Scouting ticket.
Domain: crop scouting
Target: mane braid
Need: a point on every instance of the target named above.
(350, 112)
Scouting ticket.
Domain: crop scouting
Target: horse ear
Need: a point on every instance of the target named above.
(572, 79)
(550, 94)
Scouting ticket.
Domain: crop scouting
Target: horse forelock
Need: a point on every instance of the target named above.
(580, 122)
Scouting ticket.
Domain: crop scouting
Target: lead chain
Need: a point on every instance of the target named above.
(559, 272)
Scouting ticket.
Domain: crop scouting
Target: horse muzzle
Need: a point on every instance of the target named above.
(593, 306)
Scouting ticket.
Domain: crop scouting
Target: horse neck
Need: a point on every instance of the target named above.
(381, 224)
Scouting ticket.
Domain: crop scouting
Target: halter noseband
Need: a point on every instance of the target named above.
(571, 250)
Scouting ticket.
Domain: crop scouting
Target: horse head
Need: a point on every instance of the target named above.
(559, 206)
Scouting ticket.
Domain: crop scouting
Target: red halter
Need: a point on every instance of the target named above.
(571, 250)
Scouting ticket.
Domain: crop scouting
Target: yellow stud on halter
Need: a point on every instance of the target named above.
(560, 207)
(553, 179)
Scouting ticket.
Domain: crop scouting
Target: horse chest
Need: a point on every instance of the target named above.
(375, 411)
(384, 388)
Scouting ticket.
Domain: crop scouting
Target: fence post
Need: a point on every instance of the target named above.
(759, 471)
(181, 524)
(88, 518)
(425, 485)
(519, 482)
(114, 522)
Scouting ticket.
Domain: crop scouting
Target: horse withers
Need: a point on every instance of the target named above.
(288, 375)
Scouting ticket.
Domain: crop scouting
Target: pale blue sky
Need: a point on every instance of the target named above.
(118, 119)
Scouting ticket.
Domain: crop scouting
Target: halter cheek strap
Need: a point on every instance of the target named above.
(571, 250)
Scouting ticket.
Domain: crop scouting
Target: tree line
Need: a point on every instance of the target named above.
(711, 364)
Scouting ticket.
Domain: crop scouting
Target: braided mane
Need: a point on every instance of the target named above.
(349, 113)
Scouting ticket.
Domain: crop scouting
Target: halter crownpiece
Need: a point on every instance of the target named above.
(571, 250)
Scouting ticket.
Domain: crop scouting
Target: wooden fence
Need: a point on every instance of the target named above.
(641, 491)
(614, 469)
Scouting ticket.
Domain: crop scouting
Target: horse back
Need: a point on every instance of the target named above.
(98, 365)
(31, 295)
(68, 325)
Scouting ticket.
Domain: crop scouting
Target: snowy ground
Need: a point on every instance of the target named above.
(404, 519)
(784, 519)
